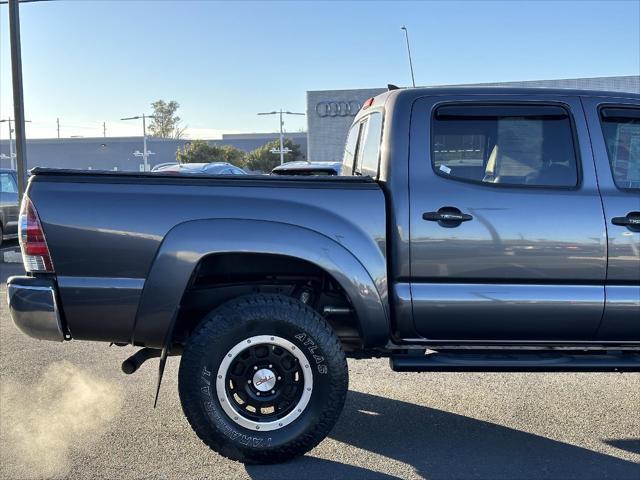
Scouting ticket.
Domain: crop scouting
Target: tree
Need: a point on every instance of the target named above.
(261, 159)
(166, 123)
(200, 151)
(233, 155)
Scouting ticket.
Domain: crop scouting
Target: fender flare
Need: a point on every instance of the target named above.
(188, 243)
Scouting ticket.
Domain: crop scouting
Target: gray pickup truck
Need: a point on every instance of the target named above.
(473, 230)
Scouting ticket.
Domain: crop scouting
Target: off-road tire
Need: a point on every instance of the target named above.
(246, 317)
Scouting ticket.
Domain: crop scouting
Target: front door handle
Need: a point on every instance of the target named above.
(447, 217)
(631, 221)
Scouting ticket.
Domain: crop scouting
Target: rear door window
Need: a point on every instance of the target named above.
(621, 130)
(517, 145)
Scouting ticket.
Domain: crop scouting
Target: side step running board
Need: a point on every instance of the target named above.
(516, 362)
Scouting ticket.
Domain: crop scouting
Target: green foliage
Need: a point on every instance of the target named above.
(166, 123)
(261, 159)
(199, 151)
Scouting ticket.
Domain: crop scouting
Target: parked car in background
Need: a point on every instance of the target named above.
(308, 168)
(213, 168)
(160, 166)
(9, 205)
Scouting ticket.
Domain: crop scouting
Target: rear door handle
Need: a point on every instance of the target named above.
(447, 217)
(631, 221)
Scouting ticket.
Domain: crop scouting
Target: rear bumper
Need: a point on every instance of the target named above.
(34, 308)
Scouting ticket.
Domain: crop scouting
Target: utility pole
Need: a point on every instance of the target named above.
(406, 34)
(12, 156)
(18, 98)
(104, 129)
(282, 150)
(58, 125)
(145, 153)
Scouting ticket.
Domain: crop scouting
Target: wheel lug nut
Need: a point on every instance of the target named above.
(270, 366)
(279, 378)
(249, 382)
(255, 368)
(258, 393)
(273, 391)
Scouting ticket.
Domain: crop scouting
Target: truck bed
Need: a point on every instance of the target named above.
(104, 229)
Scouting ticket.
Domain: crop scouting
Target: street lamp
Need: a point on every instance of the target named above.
(406, 34)
(12, 155)
(145, 153)
(281, 150)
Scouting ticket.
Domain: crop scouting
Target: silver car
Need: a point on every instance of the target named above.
(9, 205)
(213, 168)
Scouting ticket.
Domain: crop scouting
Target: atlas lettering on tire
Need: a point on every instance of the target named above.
(312, 347)
(347, 108)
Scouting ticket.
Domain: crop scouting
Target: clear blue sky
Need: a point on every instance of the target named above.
(89, 61)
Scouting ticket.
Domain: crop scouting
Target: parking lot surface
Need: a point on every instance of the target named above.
(66, 411)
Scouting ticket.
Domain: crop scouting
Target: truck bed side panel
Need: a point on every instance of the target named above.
(104, 230)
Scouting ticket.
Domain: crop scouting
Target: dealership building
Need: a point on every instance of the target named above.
(329, 115)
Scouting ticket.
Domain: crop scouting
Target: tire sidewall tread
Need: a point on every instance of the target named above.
(242, 318)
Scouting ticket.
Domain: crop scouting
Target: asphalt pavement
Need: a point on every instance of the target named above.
(66, 411)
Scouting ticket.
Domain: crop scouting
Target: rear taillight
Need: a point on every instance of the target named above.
(35, 252)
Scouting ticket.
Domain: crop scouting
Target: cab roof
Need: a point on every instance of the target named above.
(506, 90)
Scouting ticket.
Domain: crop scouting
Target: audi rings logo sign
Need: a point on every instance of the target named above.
(338, 109)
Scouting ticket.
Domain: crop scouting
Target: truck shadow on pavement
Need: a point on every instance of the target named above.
(442, 445)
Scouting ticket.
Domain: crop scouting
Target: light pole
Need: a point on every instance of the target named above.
(18, 97)
(12, 155)
(406, 34)
(145, 152)
(282, 150)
